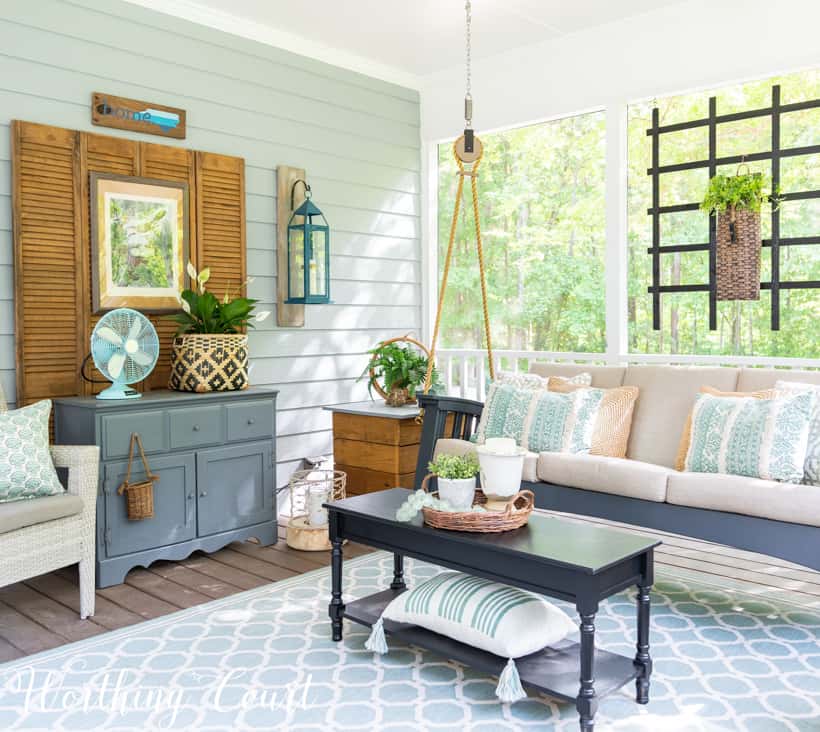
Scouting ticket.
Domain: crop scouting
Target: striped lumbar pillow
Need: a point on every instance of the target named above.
(758, 438)
(503, 620)
(508, 401)
(686, 435)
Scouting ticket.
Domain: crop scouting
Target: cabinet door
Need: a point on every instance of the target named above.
(235, 487)
(174, 505)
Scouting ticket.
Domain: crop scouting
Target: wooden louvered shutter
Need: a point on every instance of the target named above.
(49, 302)
(99, 154)
(220, 216)
(173, 164)
(51, 220)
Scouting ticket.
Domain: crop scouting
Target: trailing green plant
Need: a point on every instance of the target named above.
(398, 366)
(455, 467)
(203, 312)
(748, 191)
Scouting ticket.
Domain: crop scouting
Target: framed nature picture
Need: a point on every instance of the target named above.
(139, 242)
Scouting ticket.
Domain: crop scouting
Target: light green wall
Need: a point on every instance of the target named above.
(357, 138)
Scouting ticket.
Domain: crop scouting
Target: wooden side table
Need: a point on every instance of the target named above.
(376, 445)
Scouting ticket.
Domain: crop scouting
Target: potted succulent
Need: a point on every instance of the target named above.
(401, 364)
(737, 200)
(210, 349)
(456, 478)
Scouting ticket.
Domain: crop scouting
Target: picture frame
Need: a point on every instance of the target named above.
(140, 237)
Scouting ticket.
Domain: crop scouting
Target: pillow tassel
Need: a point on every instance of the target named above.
(509, 687)
(377, 642)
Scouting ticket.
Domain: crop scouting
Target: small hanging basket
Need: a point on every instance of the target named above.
(139, 497)
(398, 396)
(738, 255)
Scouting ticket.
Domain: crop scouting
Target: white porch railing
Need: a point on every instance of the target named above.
(464, 370)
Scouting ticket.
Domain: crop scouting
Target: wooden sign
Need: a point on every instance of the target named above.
(137, 116)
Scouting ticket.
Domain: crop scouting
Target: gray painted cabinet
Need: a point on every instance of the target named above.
(215, 457)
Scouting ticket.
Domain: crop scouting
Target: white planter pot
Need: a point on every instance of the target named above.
(458, 492)
(500, 476)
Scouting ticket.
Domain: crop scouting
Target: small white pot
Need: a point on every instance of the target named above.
(458, 492)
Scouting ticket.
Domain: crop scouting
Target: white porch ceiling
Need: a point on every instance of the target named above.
(411, 38)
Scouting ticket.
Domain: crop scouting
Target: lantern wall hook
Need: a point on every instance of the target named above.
(308, 192)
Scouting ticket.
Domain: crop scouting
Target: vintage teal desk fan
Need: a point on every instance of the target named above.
(125, 348)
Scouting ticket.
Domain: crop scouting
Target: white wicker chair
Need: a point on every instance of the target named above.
(43, 547)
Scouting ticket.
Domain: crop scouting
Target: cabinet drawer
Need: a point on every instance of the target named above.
(194, 426)
(117, 429)
(250, 421)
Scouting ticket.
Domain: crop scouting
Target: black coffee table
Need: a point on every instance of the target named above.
(552, 556)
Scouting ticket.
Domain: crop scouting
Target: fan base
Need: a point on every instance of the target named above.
(119, 391)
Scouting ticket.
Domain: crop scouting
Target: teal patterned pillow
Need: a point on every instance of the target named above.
(26, 469)
(759, 438)
(811, 468)
(559, 422)
(505, 411)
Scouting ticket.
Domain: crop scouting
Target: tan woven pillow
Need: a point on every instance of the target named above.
(610, 436)
(686, 436)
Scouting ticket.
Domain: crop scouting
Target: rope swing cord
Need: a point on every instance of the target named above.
(474, 159)
(467, 150)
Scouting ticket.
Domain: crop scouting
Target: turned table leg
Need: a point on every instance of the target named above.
(336, 608)
(586, 702)
(642, 658)
(398, 573)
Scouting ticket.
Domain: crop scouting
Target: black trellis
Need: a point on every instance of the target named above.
(775, 154)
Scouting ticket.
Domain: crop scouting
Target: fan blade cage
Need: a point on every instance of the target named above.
(138, 335)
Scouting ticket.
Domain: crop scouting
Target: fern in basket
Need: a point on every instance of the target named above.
(399, 367)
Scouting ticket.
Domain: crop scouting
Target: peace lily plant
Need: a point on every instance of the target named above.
(202, 312)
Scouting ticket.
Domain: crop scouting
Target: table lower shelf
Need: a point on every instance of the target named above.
(555, 671)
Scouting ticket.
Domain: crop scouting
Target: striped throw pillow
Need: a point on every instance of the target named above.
(559, 422)
(509, 399)
(686, 435)
(758, 438)
(503, 620)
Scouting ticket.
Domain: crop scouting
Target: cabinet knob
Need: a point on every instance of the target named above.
(196, 428)
(190, 496)
(203, 494)
(251, 420)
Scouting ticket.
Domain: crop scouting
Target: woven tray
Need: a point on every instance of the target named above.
(515, 516)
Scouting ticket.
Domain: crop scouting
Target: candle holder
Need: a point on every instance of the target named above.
(309, 489)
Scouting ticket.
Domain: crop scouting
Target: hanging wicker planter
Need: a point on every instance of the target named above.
(397, 396)
(209, 362)
(738, 255)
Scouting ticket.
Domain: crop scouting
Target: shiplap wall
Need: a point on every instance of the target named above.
(357, 138)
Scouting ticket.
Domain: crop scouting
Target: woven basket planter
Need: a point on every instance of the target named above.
(209, 362)
(738, 256)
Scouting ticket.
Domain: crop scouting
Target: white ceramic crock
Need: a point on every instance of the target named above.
(502, 464)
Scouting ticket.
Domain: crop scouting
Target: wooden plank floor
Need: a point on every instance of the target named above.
(43, 612)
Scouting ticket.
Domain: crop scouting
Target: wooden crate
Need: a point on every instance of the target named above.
(376, 452)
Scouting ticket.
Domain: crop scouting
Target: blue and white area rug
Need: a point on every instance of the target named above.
(263, 660)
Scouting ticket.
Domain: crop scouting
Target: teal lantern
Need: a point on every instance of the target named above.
(308, 252)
